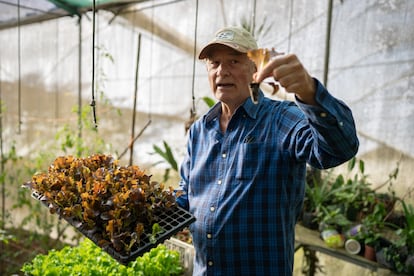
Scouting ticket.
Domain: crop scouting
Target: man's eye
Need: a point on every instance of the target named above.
(234, 61)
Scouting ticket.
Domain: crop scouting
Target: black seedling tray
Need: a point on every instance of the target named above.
(172, 221)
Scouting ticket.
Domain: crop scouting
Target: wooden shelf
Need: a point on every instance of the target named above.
(311, 240)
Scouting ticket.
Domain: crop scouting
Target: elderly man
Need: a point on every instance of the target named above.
(243, 177)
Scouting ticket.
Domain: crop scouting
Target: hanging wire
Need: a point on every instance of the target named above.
(327, 43)
(134, 110)
(93, 102)
(79, 85)
(193, 111)
(254, 17)
(290, 25)
(19, 82)
(152, 58)
(57, 74)
(3, 184)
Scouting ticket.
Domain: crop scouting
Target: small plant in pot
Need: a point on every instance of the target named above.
(332, 217)
(319, 193)
(406, 235)
(372, 227)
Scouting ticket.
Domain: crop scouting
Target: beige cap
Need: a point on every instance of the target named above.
(234, 37)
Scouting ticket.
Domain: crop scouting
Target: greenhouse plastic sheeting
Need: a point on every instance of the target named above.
(21, 12)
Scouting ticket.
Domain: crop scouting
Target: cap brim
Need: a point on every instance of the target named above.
(204, 53)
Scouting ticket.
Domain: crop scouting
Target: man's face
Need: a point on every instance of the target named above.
(229, 74)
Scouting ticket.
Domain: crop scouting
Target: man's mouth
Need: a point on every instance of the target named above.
(224, 85)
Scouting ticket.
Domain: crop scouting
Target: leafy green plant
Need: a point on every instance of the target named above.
(406, 233)
(373, 225)
(87, 259)
(332, 217)
(6, 237)
(168, 157)
(119, 203)
(319, 194)
(357, 193)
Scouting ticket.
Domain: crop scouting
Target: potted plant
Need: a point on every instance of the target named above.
(318, 195)
(356, 196)
(406, 235)
(399, 256)
(331, 217)
(372, 227)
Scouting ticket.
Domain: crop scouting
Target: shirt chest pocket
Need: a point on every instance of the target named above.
(260, 161)
(250, 161)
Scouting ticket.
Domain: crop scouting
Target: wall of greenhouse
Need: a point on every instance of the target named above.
(50, 68)
(45, 66)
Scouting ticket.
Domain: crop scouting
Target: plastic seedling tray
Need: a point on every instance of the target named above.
(171, 222)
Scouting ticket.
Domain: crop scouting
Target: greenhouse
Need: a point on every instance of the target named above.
(120, 82)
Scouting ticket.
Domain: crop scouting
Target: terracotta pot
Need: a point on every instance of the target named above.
(369, 253)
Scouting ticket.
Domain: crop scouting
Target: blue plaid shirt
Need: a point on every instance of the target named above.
(246, 186)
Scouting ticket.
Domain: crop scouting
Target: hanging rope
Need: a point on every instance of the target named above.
(19, 83)
(194, 56)
(3, 184)
(193, 111)
(79, 86)
(57, 74)
(253, 24)
(93, 103)
(327, 44)
(134, 110)
(290, 25)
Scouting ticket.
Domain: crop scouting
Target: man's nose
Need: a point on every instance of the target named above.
(223, 70)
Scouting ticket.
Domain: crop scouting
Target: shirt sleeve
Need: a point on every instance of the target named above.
(332, 125)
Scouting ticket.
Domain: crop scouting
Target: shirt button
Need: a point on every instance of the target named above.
(212, 208)
(323, 114)
(219, 182)
(224, 155)
(210, 263)
(209, 236)
(341, 124)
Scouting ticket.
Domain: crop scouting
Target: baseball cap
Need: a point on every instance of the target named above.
(236, 38)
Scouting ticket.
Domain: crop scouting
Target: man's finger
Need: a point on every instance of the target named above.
(267, 71)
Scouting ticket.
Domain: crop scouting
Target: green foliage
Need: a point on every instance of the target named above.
(87, 259)
(373, 225)
(258, 32)
(208, 101)
(10, 172)
(6, 237)
(336, 200)
(168, 157)
(406, 233)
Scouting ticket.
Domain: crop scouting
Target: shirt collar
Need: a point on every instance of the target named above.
(249, 107)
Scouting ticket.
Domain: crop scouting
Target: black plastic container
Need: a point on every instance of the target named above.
(171, 222)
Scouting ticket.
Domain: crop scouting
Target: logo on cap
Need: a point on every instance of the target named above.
(226, 35)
